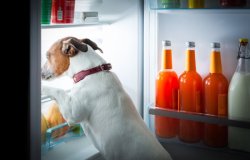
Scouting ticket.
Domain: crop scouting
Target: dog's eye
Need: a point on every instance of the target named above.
(68, 49)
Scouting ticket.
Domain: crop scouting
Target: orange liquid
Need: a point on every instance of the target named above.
(215, 87)
(166, 97)
(190, 99)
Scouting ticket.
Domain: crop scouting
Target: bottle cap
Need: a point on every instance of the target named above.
(244, 40)
(215, 45)
(190, 44)
(166, 43)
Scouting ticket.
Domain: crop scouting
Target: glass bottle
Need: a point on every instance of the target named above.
(239, 99)
(196, 3)
(170, 3)
(215, 88)
(190, 97)
(167, 86)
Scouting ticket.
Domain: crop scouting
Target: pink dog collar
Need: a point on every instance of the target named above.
(82, 74)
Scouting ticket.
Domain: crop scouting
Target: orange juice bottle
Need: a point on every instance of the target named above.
(215, 88)
(190, 97)
(166, 94)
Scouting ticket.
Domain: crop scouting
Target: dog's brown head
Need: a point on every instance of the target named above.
(59, 53)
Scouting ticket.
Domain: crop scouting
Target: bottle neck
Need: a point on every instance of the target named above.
(190, 60)
(243, 65)
(243, 51)
(244, 58)
(215, 61)
(166, 58)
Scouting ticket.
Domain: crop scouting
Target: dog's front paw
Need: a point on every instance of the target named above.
(55, 93)
(45, 90)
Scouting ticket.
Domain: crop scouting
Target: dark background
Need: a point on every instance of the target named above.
(15, 53)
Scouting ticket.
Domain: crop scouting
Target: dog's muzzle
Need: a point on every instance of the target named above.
(47, 74)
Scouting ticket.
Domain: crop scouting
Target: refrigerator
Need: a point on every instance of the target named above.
(118, 32)
(130, 32)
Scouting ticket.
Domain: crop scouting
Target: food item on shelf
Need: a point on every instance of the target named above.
(239, 99)
(167, 86)
(44, 128)
(170, 3)
(77, 129)
(54, 118)
(233, 3)
(215, 88)
(196, 3)
(46, 11)
(190, 97)
(62, 11)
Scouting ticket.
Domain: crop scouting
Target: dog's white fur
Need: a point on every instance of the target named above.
(106, 112)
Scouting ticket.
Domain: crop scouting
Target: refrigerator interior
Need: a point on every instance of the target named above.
(203, 26)
(118, 33)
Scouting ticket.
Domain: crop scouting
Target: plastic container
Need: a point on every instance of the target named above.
(190, 97)
(63, 11)
(73, 132)
(215, 88)
(54, 129)
(46, 12)
(167, 86)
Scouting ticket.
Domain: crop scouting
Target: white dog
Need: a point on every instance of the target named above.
(99, 102)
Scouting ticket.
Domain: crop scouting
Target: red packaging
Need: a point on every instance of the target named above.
(62, 11)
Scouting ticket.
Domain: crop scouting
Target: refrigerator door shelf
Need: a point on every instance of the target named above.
(174, 144)
(203, 11)
(191, 5)
(199, 117)
(197, 151)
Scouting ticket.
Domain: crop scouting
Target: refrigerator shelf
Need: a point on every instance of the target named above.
(197, 151)
(203, 11)
(200, 117)
(47, 26)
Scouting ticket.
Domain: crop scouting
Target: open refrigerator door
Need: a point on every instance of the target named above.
(181, 22)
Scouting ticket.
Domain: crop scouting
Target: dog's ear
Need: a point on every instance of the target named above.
(92, 44)
(72, 46)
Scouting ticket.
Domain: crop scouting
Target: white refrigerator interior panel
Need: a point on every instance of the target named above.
(203, 27)
(121, 45)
